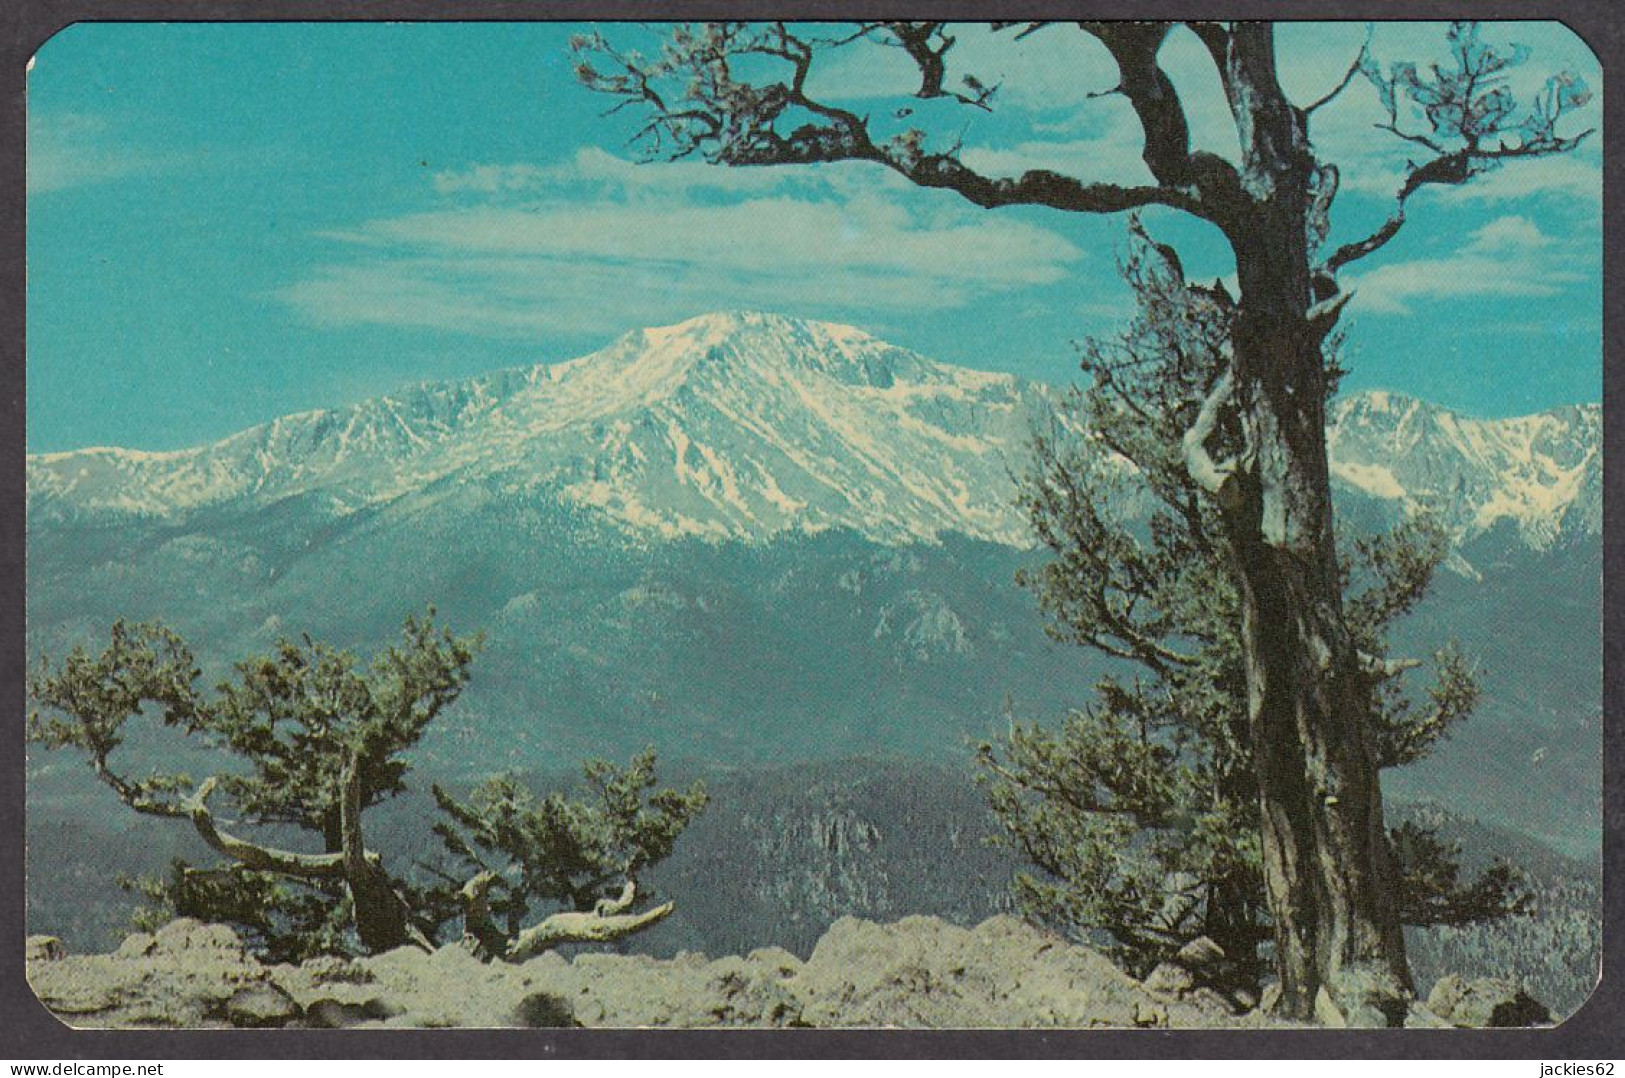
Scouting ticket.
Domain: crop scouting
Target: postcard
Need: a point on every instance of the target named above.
(900, 525)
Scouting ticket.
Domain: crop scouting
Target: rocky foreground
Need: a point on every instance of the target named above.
(920, 972)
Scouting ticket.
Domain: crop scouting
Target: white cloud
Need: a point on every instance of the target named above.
(73, 150)
(593, 167)
(1108, 153)
(599, 243)
(528, 298)
(1507, 257)
(1512, 234)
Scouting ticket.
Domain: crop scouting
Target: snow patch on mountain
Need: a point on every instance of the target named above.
(1540, 474)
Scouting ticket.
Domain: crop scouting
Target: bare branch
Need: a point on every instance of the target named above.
(734, 122)
(253, 855)
(1382, 669)
(1360, 60)
(927, 44)
(1215, 477)
(607, 921)
(1322, 316)
(583, 928)
(1473, 124)
(480, 933)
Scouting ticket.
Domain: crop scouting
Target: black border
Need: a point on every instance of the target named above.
(28, 1032)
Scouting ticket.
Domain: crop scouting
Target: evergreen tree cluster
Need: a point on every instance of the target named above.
(311, 739)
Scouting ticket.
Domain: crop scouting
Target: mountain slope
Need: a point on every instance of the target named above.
(1539, 474)
(727, 426)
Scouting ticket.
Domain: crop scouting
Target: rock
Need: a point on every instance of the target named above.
(1200, 955)
(543, 1010)
(920, 972)
(187, 934)
(1356, 1014)
(136, 945)
(1270, 998)
(1327, 1012)
(1243, 999)
(1170, 979)
(750, 992)
(1149, 1015)
(184, 976)
(1362, 997)
(261, 1006)
(1212, 1000)
(44, 949)
(332, 969)
(1447, 992)
(327, 1013)
(1419, 1017)
(1486, 1002)
(923, 972)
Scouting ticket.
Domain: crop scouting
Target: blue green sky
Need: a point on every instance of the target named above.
(231, 222)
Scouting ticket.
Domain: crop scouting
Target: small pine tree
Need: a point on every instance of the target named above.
(1139, 812)
(316, 739)
(582, 853)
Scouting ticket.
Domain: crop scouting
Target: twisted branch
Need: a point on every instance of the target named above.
(605, 922)
(1213, 476)
(251, 854)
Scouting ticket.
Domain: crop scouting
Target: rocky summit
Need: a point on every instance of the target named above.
(917, 973)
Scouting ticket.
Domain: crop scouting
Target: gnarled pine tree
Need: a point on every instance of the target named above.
(317, 740)
(323, 740)
(1138, 811)
(746, 94)
(563, 850)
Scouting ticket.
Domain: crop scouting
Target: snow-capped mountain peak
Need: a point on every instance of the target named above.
(735, 425)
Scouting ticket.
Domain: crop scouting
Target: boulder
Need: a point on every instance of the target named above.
(328, 1013)
(183, 977)
(1201, 955)
(1485, 1002)
(136, 945)
(543, 1010)
(1362, 997)
(920, 972)
(261, 1006)
(1170, 979)
(44, 949)
(1419, 1017)
(187, 935)
(923, 972)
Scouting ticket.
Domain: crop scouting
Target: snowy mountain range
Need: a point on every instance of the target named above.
(1540, 474)
(743, 426)
(749, 539)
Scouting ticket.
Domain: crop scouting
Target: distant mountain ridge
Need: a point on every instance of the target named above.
(749, 539)
(744, 426)
(1541, 474)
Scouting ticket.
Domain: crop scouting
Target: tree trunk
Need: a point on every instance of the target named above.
(382, 920)
(1327, 866)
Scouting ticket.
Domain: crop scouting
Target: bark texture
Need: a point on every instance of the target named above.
(1328, 870)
